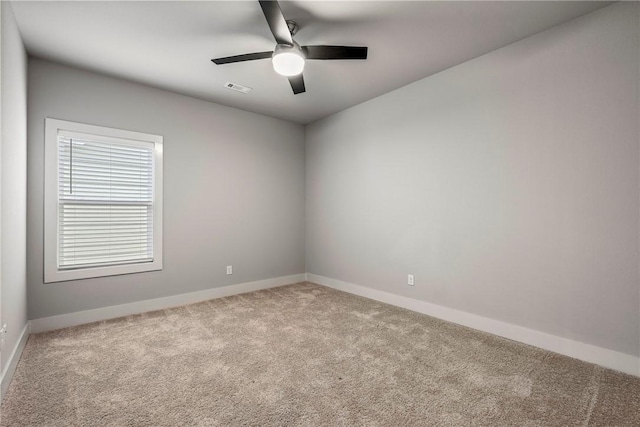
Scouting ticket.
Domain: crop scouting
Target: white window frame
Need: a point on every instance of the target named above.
(51, 271)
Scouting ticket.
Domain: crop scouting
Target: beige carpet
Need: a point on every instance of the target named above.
(304, 355)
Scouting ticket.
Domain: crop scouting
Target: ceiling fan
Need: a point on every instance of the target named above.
(289, 57)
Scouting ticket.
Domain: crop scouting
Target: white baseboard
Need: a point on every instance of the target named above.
(81, 317)
(589, 353)
(14, 358)
(578, 350)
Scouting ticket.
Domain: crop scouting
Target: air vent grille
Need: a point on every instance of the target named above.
(237, 87)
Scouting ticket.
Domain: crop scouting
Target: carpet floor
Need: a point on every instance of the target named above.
(304, 355)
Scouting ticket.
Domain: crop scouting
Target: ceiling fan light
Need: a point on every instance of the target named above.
(287, 62)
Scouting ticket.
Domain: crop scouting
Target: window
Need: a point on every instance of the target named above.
(103, 201)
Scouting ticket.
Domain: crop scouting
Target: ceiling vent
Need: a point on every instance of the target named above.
(237, 87)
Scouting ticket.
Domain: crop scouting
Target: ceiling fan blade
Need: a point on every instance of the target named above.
(240, 58)
(297, 84)
(335, 52)
(276, 21)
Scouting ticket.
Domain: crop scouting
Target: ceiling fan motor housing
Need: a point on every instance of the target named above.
(282, 48)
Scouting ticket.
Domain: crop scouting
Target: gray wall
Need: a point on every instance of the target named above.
(13, 213)
(233, 189)
(508, 185)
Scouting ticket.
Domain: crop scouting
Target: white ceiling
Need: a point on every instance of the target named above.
(170, 44)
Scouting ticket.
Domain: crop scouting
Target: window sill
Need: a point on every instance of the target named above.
(93, 272)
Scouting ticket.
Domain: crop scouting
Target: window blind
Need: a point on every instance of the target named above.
(105, 201)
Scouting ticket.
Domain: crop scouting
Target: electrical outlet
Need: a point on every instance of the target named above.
(410, 280)
(229, 269)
